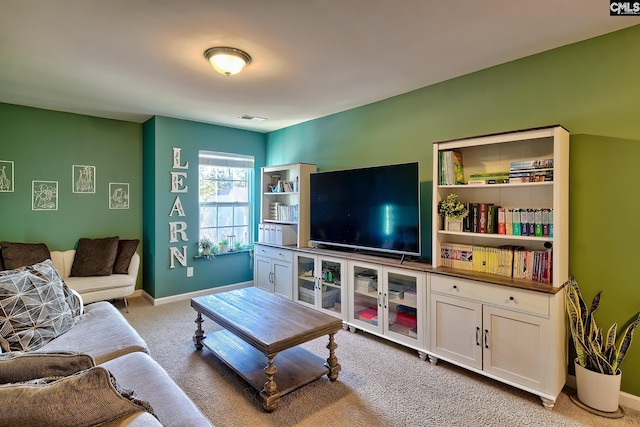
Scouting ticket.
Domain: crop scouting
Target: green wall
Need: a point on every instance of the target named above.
(161, 135)
(44, 145)
(591, 88)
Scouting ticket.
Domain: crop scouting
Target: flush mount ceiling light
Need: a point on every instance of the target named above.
(227, 60)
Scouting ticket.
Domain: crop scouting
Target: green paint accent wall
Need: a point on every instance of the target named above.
(590, 87)
(161, 135)
(44, 146)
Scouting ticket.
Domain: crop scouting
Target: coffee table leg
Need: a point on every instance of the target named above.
(332, 361)
(199, 335)
(269, 394)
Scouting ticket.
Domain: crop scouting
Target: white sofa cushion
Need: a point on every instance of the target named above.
(97, 288)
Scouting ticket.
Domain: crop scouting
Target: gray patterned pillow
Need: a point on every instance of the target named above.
(33, 308)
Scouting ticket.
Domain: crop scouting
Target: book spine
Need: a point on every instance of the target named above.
(475, 225)
(501, 221)
(508, 221)
(492, 219)
(516, 222)
(545, 222)
(458, 168)
(467, 220)
(538, 222)
(524, 222)
(483, 216)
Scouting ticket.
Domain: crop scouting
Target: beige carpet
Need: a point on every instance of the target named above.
(381, 384)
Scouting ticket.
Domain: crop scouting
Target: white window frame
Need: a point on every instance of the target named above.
(227, 160)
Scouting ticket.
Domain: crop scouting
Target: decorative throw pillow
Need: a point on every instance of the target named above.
(17, 255)
(74, 299)
(95, 257)
(33, 308)
(19, 366)
(89, 398)
(126, 249)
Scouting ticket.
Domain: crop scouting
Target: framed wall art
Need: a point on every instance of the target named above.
(6, 176)
(84, 179)
(44, 195)
(118, 195)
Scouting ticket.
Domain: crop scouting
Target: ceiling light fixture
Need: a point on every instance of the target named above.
(227, 60)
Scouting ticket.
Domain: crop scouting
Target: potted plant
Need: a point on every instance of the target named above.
(453, 212)
(224, 246)
(599, 355)
(205, 245)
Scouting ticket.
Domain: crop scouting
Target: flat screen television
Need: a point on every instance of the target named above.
(371, 209)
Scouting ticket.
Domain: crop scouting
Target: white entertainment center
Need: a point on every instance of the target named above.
(510, 329)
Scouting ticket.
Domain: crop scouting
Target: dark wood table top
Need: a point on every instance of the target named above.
(268, 322)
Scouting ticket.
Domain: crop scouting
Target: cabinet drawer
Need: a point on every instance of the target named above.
(501, 296)
(280, 254)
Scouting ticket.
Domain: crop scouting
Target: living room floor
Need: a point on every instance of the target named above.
(381, 384)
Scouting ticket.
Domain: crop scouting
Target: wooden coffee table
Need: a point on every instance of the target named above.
(258, 326)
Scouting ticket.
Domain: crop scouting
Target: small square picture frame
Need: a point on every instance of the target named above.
(44, 195)
(118, 195)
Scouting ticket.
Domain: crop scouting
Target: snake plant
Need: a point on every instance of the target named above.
(595, 351)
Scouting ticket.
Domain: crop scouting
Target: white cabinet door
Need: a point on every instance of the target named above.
(513, 346)
(456, 330)
(282, 279)
(263, 273)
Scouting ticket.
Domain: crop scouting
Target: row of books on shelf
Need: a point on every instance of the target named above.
(281, 212)
(507, 260)
(491, 219)
(281, 186)
(451, 171)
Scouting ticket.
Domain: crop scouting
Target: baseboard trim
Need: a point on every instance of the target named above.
(627, 400)
(189, 295)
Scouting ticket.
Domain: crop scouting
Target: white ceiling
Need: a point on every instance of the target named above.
(132, 59)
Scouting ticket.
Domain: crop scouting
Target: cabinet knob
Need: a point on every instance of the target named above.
(511, 299)
(455, 287)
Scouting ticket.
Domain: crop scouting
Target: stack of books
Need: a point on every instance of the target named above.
(531, 171)
(500, 177)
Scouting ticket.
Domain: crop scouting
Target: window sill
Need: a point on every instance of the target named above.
(218, 254)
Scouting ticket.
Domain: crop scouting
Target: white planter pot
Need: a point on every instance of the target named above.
(224, 249)
(599, 391)
(452, 224)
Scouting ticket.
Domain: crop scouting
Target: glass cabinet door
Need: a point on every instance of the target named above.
(330, 279)
(366, 296)
(402, 301)
(305, 279)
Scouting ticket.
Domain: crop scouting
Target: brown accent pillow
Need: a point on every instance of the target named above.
(126, 249)
(95, 257)
(24, 366)
(16, 255)
(91, 397)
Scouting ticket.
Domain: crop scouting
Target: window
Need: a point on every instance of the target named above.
(225, 197)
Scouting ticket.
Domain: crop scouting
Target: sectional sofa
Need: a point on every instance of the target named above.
(66, 363)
